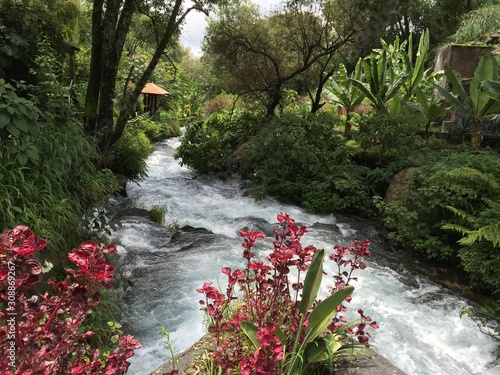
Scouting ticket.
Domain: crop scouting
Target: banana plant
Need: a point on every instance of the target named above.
(428, 108)
(416, 70)
(393, 75)
(340, 91)
(480, 102)
(383, 88)
(492, 89)
(426, 103)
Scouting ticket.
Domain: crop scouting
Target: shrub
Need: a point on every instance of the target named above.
(277, 326)
(130, 153)
(388, 136)
(38, 166)
(42, 332)
(158, 213)
(222, 102)
(209, 146)
(155, 131)
(300, 159)
(463, 180)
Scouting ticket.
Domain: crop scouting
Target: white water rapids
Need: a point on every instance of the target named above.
(420, 328)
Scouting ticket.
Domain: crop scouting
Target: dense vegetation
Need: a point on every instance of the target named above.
(328, 162)
(278, 100)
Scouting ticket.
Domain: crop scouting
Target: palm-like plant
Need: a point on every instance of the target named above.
(340, 91)
(483, 98)
(382, 84)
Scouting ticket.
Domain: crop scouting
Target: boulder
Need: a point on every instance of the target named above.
(398, 184)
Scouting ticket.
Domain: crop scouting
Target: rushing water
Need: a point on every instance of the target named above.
(420, 328)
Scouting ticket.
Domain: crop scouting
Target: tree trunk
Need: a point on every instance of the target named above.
(130, 102)
(115, 33)
(275, 100)
(348, 125)
(94, 83)
(476, 135)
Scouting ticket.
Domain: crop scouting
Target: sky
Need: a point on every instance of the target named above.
(194, 29)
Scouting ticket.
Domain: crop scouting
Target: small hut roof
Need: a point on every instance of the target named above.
(151, 88)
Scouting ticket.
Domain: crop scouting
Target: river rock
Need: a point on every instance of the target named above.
(189, 237)
(133, 211)
(122, 184)
(399, 183)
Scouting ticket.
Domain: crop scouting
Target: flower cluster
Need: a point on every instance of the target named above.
(267, 309)
(346, 265)
(47, 337)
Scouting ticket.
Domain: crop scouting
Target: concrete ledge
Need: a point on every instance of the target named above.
(370, 363)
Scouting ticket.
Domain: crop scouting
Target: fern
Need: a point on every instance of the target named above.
(462, 214)
(489, 232)
(473, 175)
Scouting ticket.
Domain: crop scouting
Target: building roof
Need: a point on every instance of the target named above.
(151, 88)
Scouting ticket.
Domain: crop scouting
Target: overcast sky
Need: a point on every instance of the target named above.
(194, 29)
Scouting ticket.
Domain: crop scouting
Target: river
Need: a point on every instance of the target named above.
(420, 327)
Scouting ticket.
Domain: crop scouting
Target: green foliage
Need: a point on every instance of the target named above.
(476, 104)
(130, 153)
(210, 146)
(477, 24)
(169, 343)
(187, 98)
(43, 149)
(136, 144)
(480, 255)
(382, 87)
(158, 213)
(388, 136)
(18, 126)
(342, 92)
(300, 159)
(155, 131)
(463, 180)
(23, 26)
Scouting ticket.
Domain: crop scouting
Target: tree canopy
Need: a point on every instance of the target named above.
(263, 55)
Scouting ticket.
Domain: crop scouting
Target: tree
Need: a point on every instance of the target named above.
(111, 22)
(261, 56)
(23, 27)
(389, 19)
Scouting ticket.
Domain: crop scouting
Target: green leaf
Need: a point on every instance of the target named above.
(21, 123)
(457, 87)
(32, 153)
(485, 70)
(323, 313)
(312, 282)
(4, 119)
(323, 348)
(23, 159)
(492, 89)
(250, 330)
(419, 68)
(452, 100)
(12, 129)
